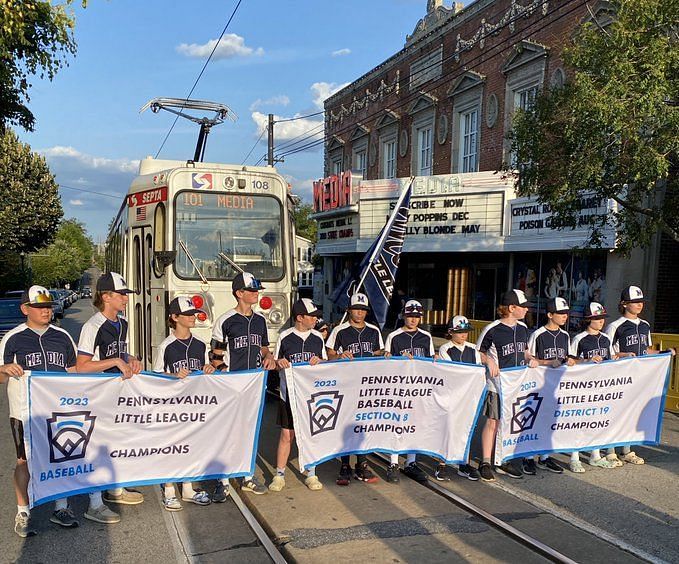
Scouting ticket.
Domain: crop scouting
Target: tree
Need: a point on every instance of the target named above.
(611, 130)
(31, 206)
(74, 234)
(36, 37)
(66, 258)
(306, 227)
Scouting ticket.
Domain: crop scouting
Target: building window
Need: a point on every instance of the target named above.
(525, 99)
(424, 151)
(389, 158)
(361, 163)
(469, 127)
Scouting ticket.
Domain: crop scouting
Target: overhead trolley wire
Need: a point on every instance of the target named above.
(255, 145)
(200, 75)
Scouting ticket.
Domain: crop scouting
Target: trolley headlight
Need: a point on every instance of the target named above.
(276, 316)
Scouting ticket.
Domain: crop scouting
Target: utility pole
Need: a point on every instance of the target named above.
(269, 155)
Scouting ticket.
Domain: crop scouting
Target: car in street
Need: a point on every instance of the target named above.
(86, 292)
(10, 314)
(58, 307)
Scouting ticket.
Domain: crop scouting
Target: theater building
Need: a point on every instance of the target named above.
(439, 110)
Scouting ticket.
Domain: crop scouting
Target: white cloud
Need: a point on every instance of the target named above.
(76, 202)
(60, 152)
(323, 90)
(302, 187)
(280, 100)
(341, 52)
(231, 45)
(307, 129)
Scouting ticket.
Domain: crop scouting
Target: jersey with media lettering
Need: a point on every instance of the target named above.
(505, 344)
(466, 352)
(51, 351)
(629, 335)
(103, 339)
(174, 354)
(416, 343)
(360, 342)
(242, 338)
(545, 344)
(298, 346)
(586, 346)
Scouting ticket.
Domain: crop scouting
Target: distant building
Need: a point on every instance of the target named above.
(305, 269)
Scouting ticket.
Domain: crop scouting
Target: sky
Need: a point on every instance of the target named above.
(281, 57)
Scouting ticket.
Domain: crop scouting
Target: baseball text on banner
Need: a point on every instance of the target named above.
(581, 407)
(388, 405)
(89, 431)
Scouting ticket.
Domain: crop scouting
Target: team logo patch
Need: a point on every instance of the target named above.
(324, 409)
(69, 434)
(524, 412)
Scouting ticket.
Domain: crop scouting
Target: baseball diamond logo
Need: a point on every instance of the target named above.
(69, 434)
(323, 411)
(524, 411)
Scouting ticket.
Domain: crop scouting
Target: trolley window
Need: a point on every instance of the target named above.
(223, 227)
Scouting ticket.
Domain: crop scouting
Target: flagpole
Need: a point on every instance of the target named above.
(383, 235)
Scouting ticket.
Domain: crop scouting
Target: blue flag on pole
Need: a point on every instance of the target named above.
(380, 264)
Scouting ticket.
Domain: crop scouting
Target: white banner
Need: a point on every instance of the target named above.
(391, 405)
(581, 407)
(90, 432)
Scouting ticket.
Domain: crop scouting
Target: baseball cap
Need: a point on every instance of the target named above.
(359, 301)
(246, 281)
(632, 294)
(514, 297)
(37, 296)
(305, 307)
(413, 308)
(595, 311)
(182, 305)
(113, 282)
(459, 324)
(557, 305)
(321, 324)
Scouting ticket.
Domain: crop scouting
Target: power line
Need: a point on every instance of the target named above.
(88, 191)
(255, 145)
(314, 132)
(200, 75)
(300, 117)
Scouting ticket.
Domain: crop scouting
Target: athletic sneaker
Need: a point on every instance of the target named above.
(102, 514)
(632, 458)
(576, 466)
(313, 483)
(549, 464)
(253, 486)
(528, 466)
(442, 474)
(277, 484)
(469, 472)
(201, 497)
(344, 478)
(127, 497)
(23, 525)
(486, 472)
(363, 473)
(65, 518)
(602, 463)
(221, 493)
(172, 504)
(393, 474)
(507, 469)
(413, 471)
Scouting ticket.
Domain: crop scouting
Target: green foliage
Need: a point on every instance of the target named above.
(35, 39)
(31, 206)
(611, 131)
(306, 227)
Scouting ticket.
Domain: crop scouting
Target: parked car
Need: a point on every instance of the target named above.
(65, 297)
(58, 307)
(10, 314)
(87, 292)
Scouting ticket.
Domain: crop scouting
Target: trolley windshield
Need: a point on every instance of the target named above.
(244, 228)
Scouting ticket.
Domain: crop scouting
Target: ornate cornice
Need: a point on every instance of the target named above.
(364, 101)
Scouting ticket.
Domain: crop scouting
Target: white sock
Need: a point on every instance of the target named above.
(543, 457)
(280, 472)
(168, 490)
(595, 454)
(626, 450)
(394, 459)
(95, 500)
(61, 504)
(610, 451)
(23, 509)
(224, 481)
(116, 491)
(311, 471)
(575, 456)
(187, 490)
(410, 458)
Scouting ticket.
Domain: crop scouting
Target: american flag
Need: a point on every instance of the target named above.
(141, 213)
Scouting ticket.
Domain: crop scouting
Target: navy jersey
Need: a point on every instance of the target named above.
(51, 351)
(242, 338)
(416, 343)
(175, 354)
(465, 352)
(630, 335)
(360, 342)
(103, 339)
(587, 346)
(297, 346)
(545, 344)
(505, 344)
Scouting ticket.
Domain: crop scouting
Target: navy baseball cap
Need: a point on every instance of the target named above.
(246, 281)
(305, 307)
(632, 295)
(37, 296)
(359, 301)
(557, 305)
(182, 305)
(321, 324)
(514, 297)
(113, 282)
(595, 311)
(413, 308)
(459, 324)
